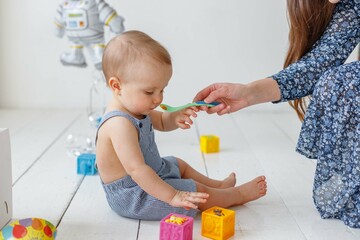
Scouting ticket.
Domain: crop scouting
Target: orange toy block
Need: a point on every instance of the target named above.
(218, 223)
(209, 143)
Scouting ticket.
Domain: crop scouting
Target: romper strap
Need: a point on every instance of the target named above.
(116, 113)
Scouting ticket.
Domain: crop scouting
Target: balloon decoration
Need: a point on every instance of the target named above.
(28, 229)
(83, 21)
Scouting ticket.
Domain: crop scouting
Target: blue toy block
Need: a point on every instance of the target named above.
(86, 164)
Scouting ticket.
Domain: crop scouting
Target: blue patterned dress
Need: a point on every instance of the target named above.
(331, 129)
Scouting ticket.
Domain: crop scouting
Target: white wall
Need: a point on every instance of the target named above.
(209, 40)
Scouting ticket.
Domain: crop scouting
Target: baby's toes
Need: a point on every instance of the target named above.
(262, 186)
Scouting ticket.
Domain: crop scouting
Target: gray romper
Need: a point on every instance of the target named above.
(126, 198)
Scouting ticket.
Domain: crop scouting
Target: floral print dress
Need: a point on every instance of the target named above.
(331, 130)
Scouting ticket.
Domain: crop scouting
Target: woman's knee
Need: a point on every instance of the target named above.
(342, 81)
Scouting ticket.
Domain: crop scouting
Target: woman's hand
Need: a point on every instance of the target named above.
(232, 97)
(188, 200)
(236, 96)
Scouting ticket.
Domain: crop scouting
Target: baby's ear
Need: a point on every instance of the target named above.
(114, 84)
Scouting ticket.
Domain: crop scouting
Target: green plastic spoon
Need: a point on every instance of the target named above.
(168, 108)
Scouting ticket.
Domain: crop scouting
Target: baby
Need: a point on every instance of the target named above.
(138, 182)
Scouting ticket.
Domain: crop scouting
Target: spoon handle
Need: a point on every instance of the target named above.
(168, 108)
(202, 103)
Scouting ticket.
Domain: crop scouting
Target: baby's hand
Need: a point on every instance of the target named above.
(188, 200)
(183, 118)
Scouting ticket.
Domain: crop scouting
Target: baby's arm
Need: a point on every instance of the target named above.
(127, 148)
(168, 121)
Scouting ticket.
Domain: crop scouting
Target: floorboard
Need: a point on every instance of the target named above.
(90, 217)
(45, 183)
(237, 155)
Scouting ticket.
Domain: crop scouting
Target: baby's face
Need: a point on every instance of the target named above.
(334, 1)
(143, 90)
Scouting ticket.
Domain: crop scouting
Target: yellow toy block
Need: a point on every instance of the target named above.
(209, 143)
(218, 223)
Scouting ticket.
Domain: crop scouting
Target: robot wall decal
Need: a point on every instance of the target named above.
(83, 23)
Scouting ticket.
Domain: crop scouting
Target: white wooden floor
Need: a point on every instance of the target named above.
(45, 183)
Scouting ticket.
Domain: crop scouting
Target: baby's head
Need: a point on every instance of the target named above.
(125, 51)
(137, 69)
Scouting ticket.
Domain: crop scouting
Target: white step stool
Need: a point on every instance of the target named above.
(5, 178)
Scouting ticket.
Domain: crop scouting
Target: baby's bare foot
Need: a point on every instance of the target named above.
(230, 181)
(252, 190)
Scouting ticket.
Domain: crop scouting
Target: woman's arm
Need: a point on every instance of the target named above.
(331, 50)
(298, 79)
(234, 97)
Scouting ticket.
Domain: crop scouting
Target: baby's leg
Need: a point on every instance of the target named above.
(186, 171)
(232, 196)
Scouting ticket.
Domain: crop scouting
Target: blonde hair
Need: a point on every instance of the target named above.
(128, 48)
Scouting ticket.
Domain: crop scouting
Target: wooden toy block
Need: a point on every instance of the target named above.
(86, 164)
(218, 223)
(209, 144)
(176, 227)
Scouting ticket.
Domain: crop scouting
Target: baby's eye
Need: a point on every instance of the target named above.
(149, 92)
